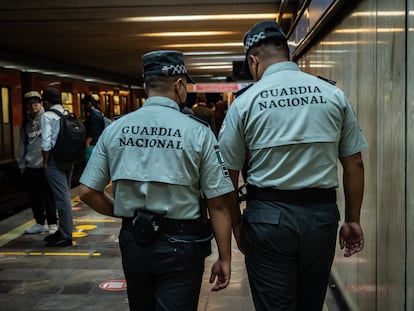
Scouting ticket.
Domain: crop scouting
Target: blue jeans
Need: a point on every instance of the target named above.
(60, 183)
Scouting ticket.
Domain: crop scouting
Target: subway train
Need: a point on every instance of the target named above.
(114, 100)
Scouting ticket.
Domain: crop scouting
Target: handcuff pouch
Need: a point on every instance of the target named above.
(145, 228)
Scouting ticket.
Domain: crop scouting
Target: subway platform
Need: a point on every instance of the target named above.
(88, 275)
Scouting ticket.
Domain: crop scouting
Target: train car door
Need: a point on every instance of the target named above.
(6, 134)
(12, 191)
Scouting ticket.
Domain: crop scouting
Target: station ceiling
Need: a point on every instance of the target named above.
(104, 39)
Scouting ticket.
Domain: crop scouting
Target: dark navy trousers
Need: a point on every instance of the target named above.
(162, 276)
(289, 249)
(41, 196)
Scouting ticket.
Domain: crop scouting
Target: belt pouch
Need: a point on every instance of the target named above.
(145, 228)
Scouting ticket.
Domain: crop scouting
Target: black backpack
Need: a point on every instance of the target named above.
(71, 141)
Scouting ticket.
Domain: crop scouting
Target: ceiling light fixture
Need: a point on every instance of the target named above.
(213, 67)
(369, 30)
(187, 34)
(205, 45)
(181, 18)
(206, 53)
(344, 42)
(224, 57)
(209, 64)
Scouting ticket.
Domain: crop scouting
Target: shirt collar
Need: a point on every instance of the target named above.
(58, 107)
(162, 101)
(280, 67)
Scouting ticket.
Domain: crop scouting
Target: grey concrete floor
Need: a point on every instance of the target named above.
(88, 275)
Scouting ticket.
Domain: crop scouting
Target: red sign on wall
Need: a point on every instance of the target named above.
(215, 87)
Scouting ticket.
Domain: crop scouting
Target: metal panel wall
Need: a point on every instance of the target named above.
(366, 55)
(410, 158)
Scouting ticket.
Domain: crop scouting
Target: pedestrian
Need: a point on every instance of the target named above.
(205, 113)
(59, 178)
(219, 113)
(295, 127)
(94, 123)
(186, 110)
(30, 162)
(159, 160)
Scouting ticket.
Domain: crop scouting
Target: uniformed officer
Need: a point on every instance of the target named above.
(159, 160)
(295, 127)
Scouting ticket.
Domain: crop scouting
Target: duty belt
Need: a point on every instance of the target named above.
(306, 195)
(171, 226)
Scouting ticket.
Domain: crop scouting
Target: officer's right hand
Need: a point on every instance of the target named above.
(221, 271)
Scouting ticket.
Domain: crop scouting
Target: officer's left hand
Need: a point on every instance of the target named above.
(220, 271)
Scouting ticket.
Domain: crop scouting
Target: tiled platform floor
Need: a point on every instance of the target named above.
(88, 275)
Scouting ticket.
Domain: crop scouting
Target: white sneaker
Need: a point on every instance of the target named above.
(37, 228)
(53, 228)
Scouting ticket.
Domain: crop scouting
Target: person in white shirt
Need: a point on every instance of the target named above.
(59, 179)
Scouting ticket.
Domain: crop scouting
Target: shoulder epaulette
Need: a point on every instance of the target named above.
(241, 91)
(327, 80)
(199, 120)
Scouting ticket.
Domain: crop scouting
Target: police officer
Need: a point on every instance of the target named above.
(159, 160)
(295, 127)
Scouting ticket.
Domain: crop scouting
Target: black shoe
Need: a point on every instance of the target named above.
(58, 243)
(53, 237)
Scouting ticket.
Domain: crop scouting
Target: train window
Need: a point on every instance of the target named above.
(117, 108)
(124, 101)
(67, 101)
(80, 96)
(5, 105)
(95, 97)
(135, 104)
(6, 131)
(107, 106)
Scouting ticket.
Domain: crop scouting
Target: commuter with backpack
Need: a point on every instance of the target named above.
(63, 137)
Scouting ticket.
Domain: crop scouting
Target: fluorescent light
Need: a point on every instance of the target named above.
(382, 13)
(181, 18)
(369, 30)
(205, 45)
(213, 67)
(206, 53)
(231, 57)
(187, 33)
(210, 77)
(332, 51)
(315, 66)
(379, 13)
(219, 78)
(344, 42)
(210, 64)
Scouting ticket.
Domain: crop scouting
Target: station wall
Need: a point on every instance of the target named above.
(369, 54)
